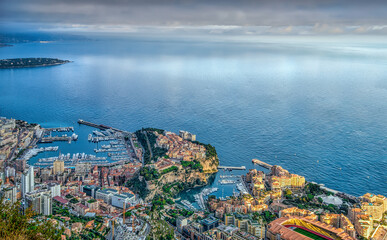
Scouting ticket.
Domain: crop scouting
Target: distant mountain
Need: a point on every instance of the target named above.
(37, 37)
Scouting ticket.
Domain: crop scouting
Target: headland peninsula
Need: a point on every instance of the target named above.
(30, 62)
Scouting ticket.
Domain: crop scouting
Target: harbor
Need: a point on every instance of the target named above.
(105, 147)
(199, 198)
(70, 161)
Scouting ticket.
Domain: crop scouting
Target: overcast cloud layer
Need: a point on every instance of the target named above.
(210, 16)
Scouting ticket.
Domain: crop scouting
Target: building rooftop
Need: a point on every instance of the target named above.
(209, 220)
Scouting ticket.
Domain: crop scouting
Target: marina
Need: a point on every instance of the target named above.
(72, 160)
(227, 181)
(188, 205)
(35, 151)
(199, 198)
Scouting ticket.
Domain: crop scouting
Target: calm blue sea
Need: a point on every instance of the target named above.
(318, 109)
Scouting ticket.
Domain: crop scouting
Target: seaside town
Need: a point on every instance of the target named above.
(130, 189)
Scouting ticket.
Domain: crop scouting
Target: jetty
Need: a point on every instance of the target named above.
(58, 138)
(100, 126)
(232, 168)
(262, 164)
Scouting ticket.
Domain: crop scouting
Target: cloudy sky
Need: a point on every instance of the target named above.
(297, 17)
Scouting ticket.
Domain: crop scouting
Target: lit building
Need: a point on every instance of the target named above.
(296, 212)
(301, 228)
(364, 225)
(280, 179)
(374, 205)
(339, 221)
(58, 167)
(187, 135)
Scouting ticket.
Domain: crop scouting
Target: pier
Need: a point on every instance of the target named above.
(232, 168)
(100, 126)
(262, 164)
(52, 139)
(61, 129)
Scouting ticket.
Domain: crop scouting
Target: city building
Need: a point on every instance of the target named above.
(9, 194)
(209, 223)
(82, 168)
(302, 228)
(54, 188)
(118, 200)
(180, 223)
(28, 181)
(280, 178)
(40, 201)
(58, 167)
(374, 205)
(187, 135)
(105, 194)
(90, 190)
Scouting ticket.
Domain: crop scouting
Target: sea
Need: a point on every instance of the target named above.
(317, 107)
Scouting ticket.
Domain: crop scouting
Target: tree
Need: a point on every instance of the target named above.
(14, 225)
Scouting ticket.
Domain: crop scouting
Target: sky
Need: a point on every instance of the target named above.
(218, 17)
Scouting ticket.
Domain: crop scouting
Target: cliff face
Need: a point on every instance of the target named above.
(210, 165)
(174, 182)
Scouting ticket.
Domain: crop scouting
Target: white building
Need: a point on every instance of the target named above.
(40, 201)
(28, 181)
(112, 197)
(105, 194)
(55, 189)
(9, 194)
(118, 200)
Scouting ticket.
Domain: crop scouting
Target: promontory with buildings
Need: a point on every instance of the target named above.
(130, 188)
(30, 62)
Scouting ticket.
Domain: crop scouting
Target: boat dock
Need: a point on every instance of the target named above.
(61, 129)
(100, 126)
(57, 138)
(232, 168)
(262, 164)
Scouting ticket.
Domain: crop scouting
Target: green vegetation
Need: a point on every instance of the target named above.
(128, 214)
(195, 165)
(210, 150)
(74, 201)
(149, 173)
(138, 187)
(157, 152)
(171, 169)
(308, 234)
(315, 189)
(59, 211)
(159, 131)
(308, 202)
(69, 196)
(158, 203)
(14, 225)
(268, 216)
(174, 213)
(92, 200)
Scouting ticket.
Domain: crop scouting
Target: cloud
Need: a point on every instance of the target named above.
(214, 17)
